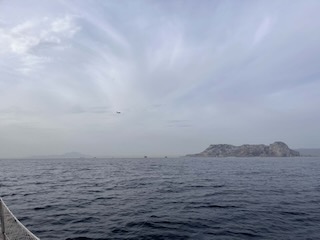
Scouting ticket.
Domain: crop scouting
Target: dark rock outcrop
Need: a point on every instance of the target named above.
(276, 149)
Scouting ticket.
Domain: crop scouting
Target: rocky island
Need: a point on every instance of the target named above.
(276, 149)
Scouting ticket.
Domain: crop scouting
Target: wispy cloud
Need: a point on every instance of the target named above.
(220, 71)
(23, 41)
(95, 110)
(262, 30)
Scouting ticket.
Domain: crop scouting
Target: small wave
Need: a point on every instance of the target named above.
(83, 220)
(80, 238)
(207, 186)
(199, 205)
(43, 208)
(238, 234)
(293, 213)
(220, 206)
(103, 198)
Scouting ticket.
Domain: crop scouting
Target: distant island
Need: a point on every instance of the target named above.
(65, 155)
(276, 149)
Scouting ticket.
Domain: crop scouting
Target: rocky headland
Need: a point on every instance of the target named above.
(276, 149)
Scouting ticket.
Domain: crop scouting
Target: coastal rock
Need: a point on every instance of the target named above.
(276, 149)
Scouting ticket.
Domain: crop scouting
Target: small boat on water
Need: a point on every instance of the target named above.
(11, 228)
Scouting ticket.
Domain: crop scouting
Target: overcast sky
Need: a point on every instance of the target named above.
(183, 74)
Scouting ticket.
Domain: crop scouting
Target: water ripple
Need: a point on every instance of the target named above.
(182, 198)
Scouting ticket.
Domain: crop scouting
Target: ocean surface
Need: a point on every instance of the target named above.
(178, 198)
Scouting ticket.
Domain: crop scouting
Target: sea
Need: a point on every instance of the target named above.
(165, 198)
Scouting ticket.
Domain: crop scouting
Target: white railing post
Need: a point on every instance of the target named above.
(3, 228)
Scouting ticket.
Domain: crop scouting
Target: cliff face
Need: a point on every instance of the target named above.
(276, 149)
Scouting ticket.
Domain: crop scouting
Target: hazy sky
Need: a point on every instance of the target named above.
(183, 74)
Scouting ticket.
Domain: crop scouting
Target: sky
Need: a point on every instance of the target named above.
(183, 74)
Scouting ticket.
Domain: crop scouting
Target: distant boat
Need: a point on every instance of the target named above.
(145, 156)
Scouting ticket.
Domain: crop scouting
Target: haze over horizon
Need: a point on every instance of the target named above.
(182, 74)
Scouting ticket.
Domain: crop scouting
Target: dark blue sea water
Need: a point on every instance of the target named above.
(180, 198)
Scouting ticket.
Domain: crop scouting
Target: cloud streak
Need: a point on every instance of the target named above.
(182, 75)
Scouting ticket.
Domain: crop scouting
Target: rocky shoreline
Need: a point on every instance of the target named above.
(276, 149)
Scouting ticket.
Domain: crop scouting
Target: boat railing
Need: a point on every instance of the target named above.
(11, 227)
